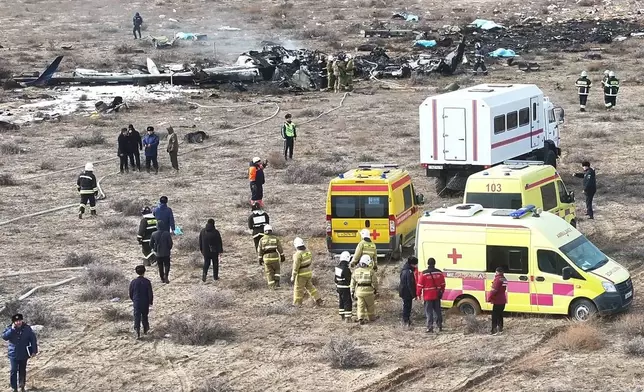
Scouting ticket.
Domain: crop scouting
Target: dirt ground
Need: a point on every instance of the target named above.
(274, 347)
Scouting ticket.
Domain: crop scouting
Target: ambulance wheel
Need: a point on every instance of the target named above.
(469, 306)
(582, 310)
(573, 223)
(550, 158)
(397, 253)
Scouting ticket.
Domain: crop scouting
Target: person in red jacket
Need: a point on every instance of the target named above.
(431, 285)
(498, 300)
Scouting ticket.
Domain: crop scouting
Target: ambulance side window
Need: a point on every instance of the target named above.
(550, 262)
(407, 196)
(549, 196)
(563, 192)
(513, 259)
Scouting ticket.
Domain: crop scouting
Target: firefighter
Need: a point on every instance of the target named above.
(147, 226)
(256, 178)
(256, 222)
(605, 78)
(88, 189)
(289, 135)
(611, 88)
(364, 288)
(479, 59)
(350, 71)
(270, 254)
(339, 70)
(302, 274)
(583, 89)
(366, 247)
(329, 73)
(324, 72)
(343, 285)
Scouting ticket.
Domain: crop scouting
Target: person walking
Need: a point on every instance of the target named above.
(256, 178)
(407, 288)
(498, 299)
(151, 145)
(135, 146)
(583, 89)
(271, 254)
(211, 247)
(147, 226)
(339, 70)
(590, 186)
(137, 21)
(364, 288)
(289, 134)
(23, 345)
(611, 88)
(350, 71)
(173, 148)
(366, 247)
(431, 286)
(302, 274)
(161, 244)
(164, 213)
(142, 298)
(123, 151)
(256, 221)
(343, 286)
(88, 189)
(479, 59)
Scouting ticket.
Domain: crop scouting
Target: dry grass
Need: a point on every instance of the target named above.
(247, 283)
(580, 337)
(124, 49)
(113, 313)
(95, 139)
(56, 371)
(187, 330)
(7, 179)
(11, 307)
(129, 207)
(635, 347)
(631, 325)
(10, 148)
(276, 160)
(214, 385)
(309, 174)
(93, 292)
(206, 298)
(344, 353)
(48, 165)
(103, 275)
(188, 243)
(279, 309)
(474, 325)
(42, 313)
(311, 112)
(74, 259)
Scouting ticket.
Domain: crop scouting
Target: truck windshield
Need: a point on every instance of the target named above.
(584, 254)
(495, 200)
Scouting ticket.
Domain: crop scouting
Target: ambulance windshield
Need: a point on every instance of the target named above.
(584, 254)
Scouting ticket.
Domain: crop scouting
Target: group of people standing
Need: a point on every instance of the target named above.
(610, 84)
(130, 144)
(339, 72)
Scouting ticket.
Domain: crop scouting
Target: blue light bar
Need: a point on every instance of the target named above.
(523, 211)
(340, 175)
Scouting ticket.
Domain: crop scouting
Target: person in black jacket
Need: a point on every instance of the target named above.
(343, 285)
(135, 146)
(142, 297)
(407, 288)
(256, 221)
(137, 21)
(590, 186)
(161, 244)
(210, 247)
(123, 150)
(147, 226)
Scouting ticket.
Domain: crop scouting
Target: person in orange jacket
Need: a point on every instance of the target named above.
(431, 285)
(256, 178)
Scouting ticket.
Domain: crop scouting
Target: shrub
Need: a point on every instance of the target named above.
(40, 313)
(7, 179)
(226, 125)
(104, 275)
(635, 347)
(276, 160)
(210, 299)
(631, 325)
(112, 313)
(280, 309)
(308, 174)
(10, 149)
(74, 259)
(580, 337)
(214, 385)
(243, 202)
(474, 325)
(344, 354)
(229, 143)
(311, 112)
(191, 331)
(11, 307)
(56, 371)
(247, 283)
(188, 244)
(196, 261)
(250, 111)
(181, 184)
(365, 158)
(129, 207)
(93, 292)
(96, 138)
(47, 165)
(124, 49)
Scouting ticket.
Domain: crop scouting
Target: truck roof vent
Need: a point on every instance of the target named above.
(502, 212)
(500, 85)
(481, 90)
(464, 209)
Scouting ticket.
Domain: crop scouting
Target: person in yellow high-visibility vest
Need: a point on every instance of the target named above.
(365, 247)
(270, 254)
(289, 134)
(364, 288)
(303, 274)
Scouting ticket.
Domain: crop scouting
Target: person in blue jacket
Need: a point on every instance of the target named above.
(151, 146)
(164, 213)
(22, 346)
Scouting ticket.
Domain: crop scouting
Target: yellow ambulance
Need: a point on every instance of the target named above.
(377, 197)
(550, 266)
(519, 183)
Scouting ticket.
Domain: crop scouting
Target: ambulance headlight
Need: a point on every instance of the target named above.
(609, 287)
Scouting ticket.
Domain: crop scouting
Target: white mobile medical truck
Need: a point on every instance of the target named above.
(465, 131)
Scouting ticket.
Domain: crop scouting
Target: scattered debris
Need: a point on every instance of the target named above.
(593, 56)
(486, 25)
(8, 126)
(406, 16)
(228, 28)
(196, 137)
(191, 36)
(504, 53)
(423, 43)
(162, 42)
(388, 33)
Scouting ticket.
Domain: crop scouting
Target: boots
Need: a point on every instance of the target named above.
(203, 278)
(81, 211)
(166, 280)
(138, 334)
(93, 212)
(318, 302)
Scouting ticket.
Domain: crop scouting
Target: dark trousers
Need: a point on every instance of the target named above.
(147, 253)
(123, 165)
(345, 306)
(87, 198)
(141, 316)
(135, 30)
(214, 259)
(432, 307)
(480, 64)
(406, 310)
(589, 203)
(289, 143)
(582, 101)
(173, 160)
(18, 372)
(135, 158)
(256, 239)
(164, 267)
(151, 160)
(610, 100)
(256, 191)
(497, 317)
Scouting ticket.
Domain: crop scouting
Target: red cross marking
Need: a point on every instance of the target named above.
(375, 234)
(454, 256)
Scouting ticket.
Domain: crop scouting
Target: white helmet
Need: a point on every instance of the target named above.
(256, 159)
(89, 166)
(611, 74)
(268, 228)
(606, 72)
(584, 74)
(331, 57)
(364, 233)
(477, 45)
(348, 56)
(297, 242)
(345, 256)
(365, 259)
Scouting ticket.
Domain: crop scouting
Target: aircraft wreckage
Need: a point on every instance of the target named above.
(294, 69)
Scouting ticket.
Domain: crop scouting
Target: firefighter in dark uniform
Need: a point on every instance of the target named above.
(590, 186)
(583, 89)
(88, 189)
(147, 226)
(343, 285)
(256, 222)
(479, 59)
(611, 88)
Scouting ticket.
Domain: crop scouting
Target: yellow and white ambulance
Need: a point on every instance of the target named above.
(550, 266)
